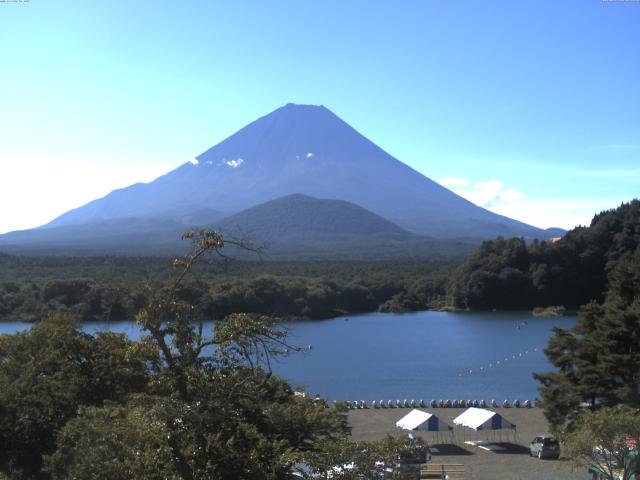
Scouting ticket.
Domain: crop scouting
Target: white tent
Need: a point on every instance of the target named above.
(482, 419)
(419, 421)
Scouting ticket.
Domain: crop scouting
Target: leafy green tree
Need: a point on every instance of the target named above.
(391, 458)
(46, 374)
(217, 411)
(98, 443)
(598, 360)
(605, 440)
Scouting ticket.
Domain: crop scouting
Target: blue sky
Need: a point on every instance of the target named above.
(531, 109)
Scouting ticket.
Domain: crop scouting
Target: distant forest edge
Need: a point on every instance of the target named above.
(509, 274)
(501, 274)
(115, 288)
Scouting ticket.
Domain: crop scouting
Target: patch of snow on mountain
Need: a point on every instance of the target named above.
(234, 163)
(193, 161)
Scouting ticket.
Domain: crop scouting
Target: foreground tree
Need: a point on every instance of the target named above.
(214, 408)
(392, 458)
(598, 360)
(46, 374)
(606, 440)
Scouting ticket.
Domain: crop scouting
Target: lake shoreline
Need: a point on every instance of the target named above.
(453, 310)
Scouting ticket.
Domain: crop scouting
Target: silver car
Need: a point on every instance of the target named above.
(544, 446)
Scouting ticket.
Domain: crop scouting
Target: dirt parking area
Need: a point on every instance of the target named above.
(510, 462)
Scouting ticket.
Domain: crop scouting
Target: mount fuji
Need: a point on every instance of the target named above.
(296, 149)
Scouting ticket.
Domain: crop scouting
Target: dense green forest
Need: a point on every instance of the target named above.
(509, 274)
(114, 288)
(501, 274)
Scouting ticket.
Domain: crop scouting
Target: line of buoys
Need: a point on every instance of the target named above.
(484, 369)
(361, 404)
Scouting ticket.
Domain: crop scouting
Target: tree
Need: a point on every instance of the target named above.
(387, 458)
(598, 360)
(46, 374)
(607, 441)
(214, 408)
(97, 443)
(508, 274)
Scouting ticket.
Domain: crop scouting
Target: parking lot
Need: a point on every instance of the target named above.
(510, 461)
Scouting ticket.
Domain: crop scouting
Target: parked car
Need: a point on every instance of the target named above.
(544, 446)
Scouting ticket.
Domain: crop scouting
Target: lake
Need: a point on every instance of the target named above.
(423, 355)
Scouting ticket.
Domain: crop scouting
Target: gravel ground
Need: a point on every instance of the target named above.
(513, 463)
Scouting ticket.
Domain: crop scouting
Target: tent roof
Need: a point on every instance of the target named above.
(413, 419)
(481, 419)
(419, 420)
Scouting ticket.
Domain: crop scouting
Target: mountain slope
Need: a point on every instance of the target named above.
(299, 214)
(304, 149)
(135, 235)
(299, 226)
(291, 227)
(120, 235)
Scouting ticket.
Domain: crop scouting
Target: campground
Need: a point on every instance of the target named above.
(510, 462)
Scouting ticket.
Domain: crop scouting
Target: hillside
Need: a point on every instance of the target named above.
(509, 274)
(299, 214)
(116, 235)
(295, 227)
(301, 227)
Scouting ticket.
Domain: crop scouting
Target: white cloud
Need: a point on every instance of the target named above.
(453, 182)
(235, 163)
(540, 211)
(309, 155)
(491, 193)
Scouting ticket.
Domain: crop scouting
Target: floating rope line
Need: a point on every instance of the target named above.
(497, 363)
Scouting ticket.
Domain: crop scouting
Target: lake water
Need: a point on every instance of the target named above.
(423, 355)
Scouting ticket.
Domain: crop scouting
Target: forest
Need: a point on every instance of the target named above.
(508, 274)
(114, 288)
(503, 274)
